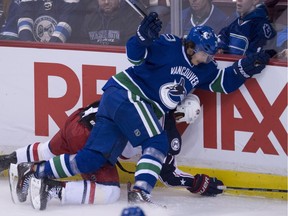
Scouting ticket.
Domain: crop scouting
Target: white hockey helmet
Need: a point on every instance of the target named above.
(188, 110)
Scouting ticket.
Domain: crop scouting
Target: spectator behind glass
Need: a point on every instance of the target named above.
(2, 17)
(279, 43)
(50, 21)
(282, 44)
(112, 22)
(201, 12)
(9, 30)
(249, 32)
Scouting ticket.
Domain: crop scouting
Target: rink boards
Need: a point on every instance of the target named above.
(240, 138)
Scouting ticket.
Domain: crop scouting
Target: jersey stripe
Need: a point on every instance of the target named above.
(126, 82)
(92, 192)
(217, 84)
(144, 114)
(84, 192)
(35, 151)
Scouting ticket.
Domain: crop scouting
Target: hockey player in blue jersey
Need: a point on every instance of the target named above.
(249, 32)
(167, 69)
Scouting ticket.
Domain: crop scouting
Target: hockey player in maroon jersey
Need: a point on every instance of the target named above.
(72, 138)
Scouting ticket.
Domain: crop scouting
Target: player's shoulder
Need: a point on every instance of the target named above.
(265, 29)
(169, 38)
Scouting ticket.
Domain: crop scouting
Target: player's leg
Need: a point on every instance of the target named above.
(142, 130)
(87, 160)
(6, 160)
(78, 192)
(69, 139)
(102, 191)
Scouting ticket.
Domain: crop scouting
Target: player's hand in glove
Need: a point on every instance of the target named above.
(252, 64)
(149, 29)
(205, 185)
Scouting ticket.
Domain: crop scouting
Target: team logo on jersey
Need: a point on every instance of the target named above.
(48, 5)
(137, 132)
(172, 93)
(175, 144)
(267, 30)
(43, 28)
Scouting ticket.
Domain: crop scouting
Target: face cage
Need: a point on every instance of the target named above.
(208, 57)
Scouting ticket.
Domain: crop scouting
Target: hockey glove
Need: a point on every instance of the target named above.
(149, 29)
(252, 64)
(205, 185)
(271, 52)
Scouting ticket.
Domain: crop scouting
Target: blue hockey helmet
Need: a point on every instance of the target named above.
(133, 211)
(204, 39)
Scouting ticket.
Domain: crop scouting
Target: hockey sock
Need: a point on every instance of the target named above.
(34, 152)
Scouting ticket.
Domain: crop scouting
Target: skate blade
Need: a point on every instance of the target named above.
(129, 185)
(13, 179)
(35, 186)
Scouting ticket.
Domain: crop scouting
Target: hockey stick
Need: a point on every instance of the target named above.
(133, 4)
(252, 189)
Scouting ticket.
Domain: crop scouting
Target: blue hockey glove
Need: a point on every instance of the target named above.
(149, 29)
(205, 185)
(252, 64)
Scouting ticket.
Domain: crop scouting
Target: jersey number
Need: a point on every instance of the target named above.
(169, 37)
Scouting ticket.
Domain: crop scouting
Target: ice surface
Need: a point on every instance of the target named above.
(178, 202)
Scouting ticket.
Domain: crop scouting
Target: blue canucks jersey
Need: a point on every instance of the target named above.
(10, 29)
(247, 34)
(165, 76)
(50, 20)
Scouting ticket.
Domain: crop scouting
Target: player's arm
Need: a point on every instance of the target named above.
(147, 32)
(201, 184)
(25, 21)
(224, 38)
(231, 78)
(68, 20)
(263, 32)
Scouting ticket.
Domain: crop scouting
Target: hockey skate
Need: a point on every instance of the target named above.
(137, 196)
(43, 190)
(6, 160)
(19, 179)
(140, 196)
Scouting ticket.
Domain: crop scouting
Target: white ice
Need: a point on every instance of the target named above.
(178, 202)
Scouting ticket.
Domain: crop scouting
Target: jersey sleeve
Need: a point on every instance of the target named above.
(222, 80)
(171, 176)
(26, 20)
(9, 31)
(135, 51)
(72, 12)
(224, 38)
(263, 32)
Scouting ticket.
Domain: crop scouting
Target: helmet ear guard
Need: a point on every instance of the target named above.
(188, 110)
(188, 45)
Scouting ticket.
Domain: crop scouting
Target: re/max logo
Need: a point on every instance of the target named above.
(261, 131)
